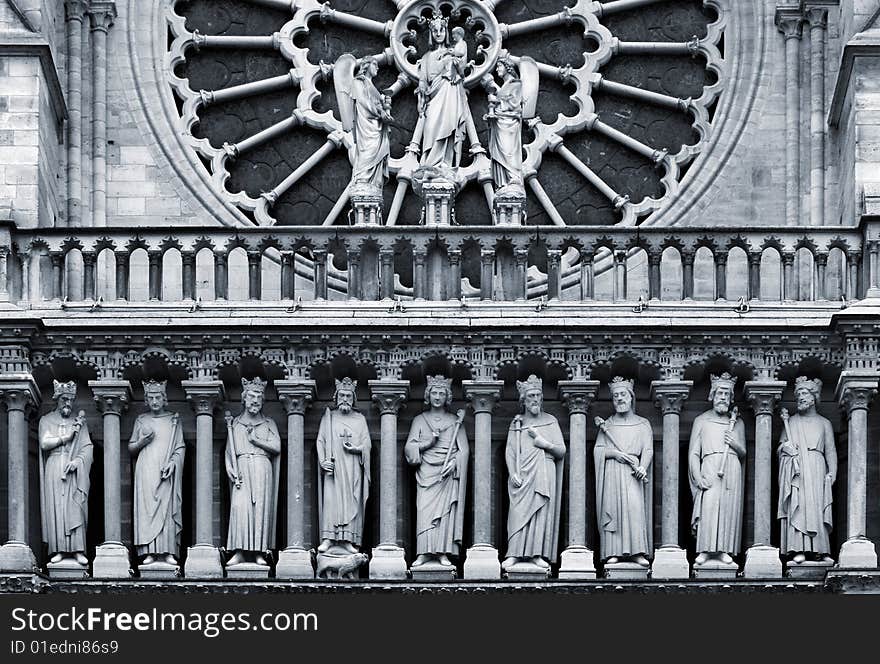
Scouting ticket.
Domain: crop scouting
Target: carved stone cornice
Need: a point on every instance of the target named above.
(295, 395)
(389, 395)
(482, 394)
(669, 395)
(764, 395)
(856, 389)
(112, 397)
(204, 395)
(578, 395)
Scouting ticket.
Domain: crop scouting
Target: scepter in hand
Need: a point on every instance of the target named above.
(603, 427)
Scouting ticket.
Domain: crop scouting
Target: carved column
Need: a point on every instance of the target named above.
(487, 274)
(21, 395)
(221, 275)
(90, 262)
(873, 281)
(188, 264)
(111, 558)
(790, 23)
(454, 287)
(255, 282)
(155, 274)
(4, 274)
(320, 278)
(720, 276)
(755, 275)
(762, 559)
(354, 274)
(123, 261)
(670, 560)
(288, 275)
(654, 260)
(102, 15)
(203, 557)
(855, 390)
(75, 10)
(57, 259)
(789, 283)
(687, 275)
(388, 561)
(482, 558)
(619, 275)
(295, 561)
(577, 560)
(817, 17)
(587, 290)
(821, 272)
(386, 274)
(521, 260)
(420, 274)
(554, 275)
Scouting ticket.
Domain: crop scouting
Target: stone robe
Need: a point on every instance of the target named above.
(254, 504)
(344, 493)
(505, 135)
(444, 124)
(623, 502)
(158, 504)
(533, 515)
(372, 145)
(64, 503)
(805, 493)
(439, 500)
(717, 514)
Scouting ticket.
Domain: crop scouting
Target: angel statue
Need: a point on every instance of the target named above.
(366, 113)
(509, 104)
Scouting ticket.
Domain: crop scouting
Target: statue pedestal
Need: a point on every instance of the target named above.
(627, 572)
(670, 562)
(68, 570)
(482, 564)
(294, 563)
(433, 571)
(715, 569)
(509, 207)
(814, 570)
(111, 562)
(203, 562)
(366, 204)
(438, 193)
(248, 571)
(762, 562)
(158, 571)
(576, 564)
(388, 563)
(17, 557)
(857, 553)
(527, 571)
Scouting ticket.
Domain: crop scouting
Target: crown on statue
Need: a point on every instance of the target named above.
(437, 19)
(346, 384)
(620, 381)
(812, 384)
(438, 381)
(67, 389)
(529, 384)
(255, 385)
(155, 387)
(724, 380)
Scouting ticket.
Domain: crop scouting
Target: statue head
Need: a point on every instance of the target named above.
(438, 391)
(721, 392)
(531, 394)
(252, 392)
(64, 395)
(457, 34)
(806, 393)
(506, 66)
(155, 396)
(367, 67)
(623, 393)
(346, 391)
(438, 28)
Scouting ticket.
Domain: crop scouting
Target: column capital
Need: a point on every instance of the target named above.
(75, 10)
(763, 395)
(483, 394)
(578, 395)
(295, 395)
(816, 15)
(19, 393)
(389, 395)
(102, 14)
(790, 21)
(856, 389)
(669, 395)
(111, 396)
(203, 395)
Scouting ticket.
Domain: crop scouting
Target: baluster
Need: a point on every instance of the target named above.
(386, 259)
(354, 274)
(720, 276)
(755, 275)
(288, 275)
(155, 258)
(123, 262)
(90, 262)
(57, 259)
(587, 275)
(487, 268)
(453, 288)
(255, 283)
(320, 273)
(687, 275)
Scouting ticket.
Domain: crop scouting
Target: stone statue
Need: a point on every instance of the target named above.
(157, 442)
(437, 445)
(534, 454)
(343, 447)
(441, 95)
(366, 113)
(807, 470)
(623, 454)
(718, 442)
(505, 127)
(252, 452)
(65, 463)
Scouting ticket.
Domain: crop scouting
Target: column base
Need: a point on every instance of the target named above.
(481, 563)
(111, 562)
(857, 553)
(577, 564)
(203, 562)
(670, 562)
(762, 562)
(388, 563)
(17, 557)
(294, 563)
